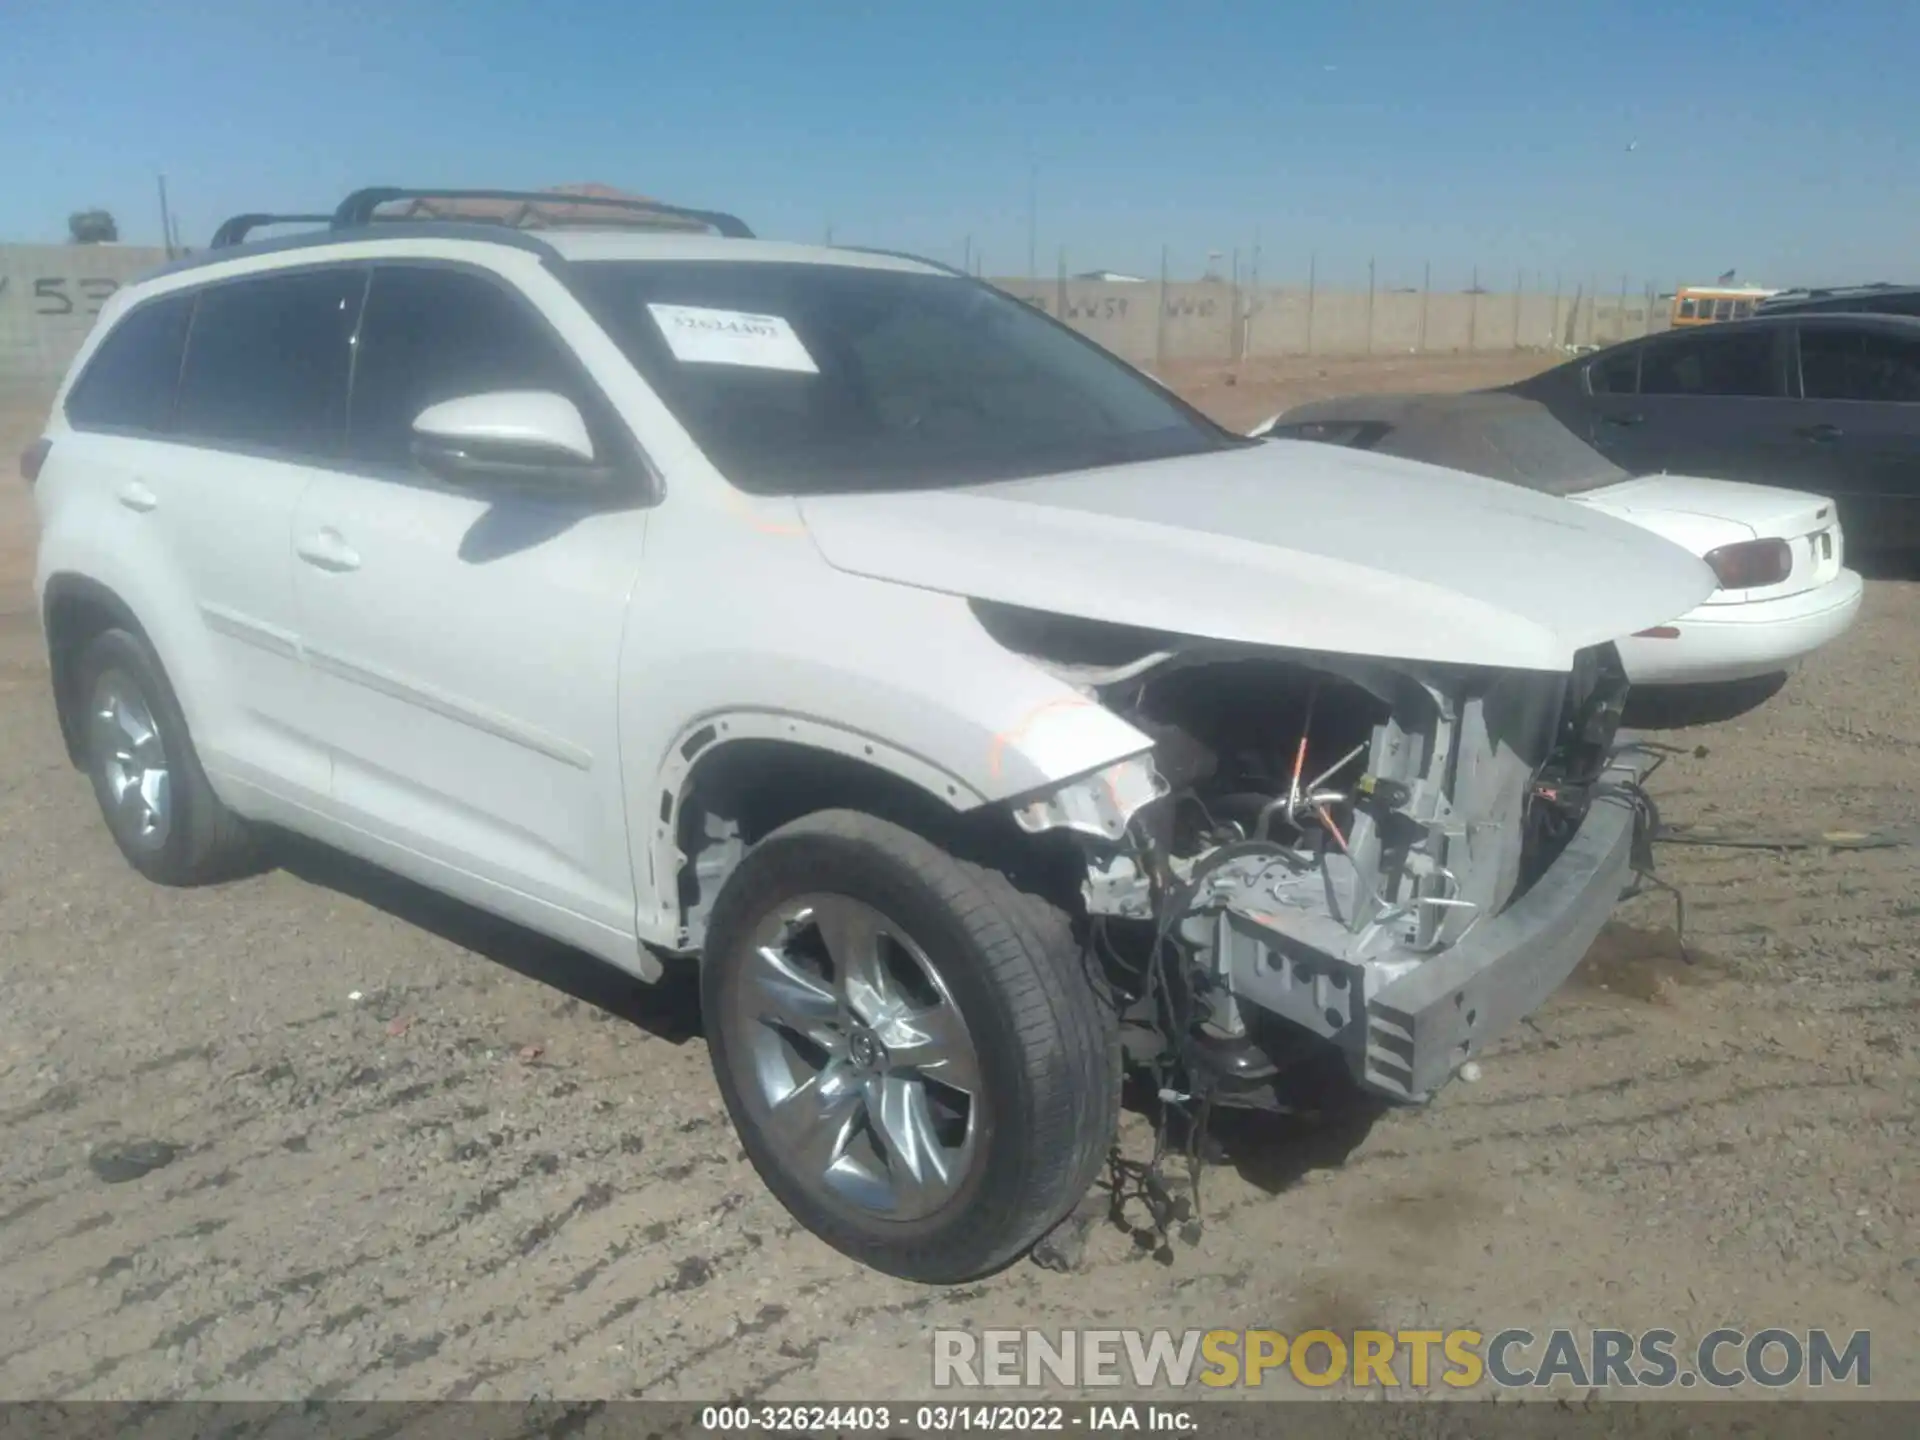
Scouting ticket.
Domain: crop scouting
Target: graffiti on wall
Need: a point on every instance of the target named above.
(1184, 307)
(53, 295)
(1097, 308)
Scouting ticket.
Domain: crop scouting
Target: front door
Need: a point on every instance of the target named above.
(1854, 431)
(466, 644)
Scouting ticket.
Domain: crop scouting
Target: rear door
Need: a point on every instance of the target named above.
(206, 479)
(1854, 430)
(1698, 405)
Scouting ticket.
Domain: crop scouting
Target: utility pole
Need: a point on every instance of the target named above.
(1033, 217)
(1160, 316)
(1236, 346)
(1426, 293)
(166, 220)
(1369, 307)
(1313, 267)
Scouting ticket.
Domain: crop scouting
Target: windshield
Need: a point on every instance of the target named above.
(807, 379)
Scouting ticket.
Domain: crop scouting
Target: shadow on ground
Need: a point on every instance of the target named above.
(1682, 707)
(668, 1010)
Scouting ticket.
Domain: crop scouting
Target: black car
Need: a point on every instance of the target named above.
(1828, 403)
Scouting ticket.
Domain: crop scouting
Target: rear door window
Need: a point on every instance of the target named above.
(1716, 363)
(268, 359)
(1871, 365)
(130, 382)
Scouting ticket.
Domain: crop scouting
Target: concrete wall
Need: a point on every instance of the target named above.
(1213, 321)
(49, 295)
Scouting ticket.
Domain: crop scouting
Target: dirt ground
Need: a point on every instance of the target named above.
(412, 1153)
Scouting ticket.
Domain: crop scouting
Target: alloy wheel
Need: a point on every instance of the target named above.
(861, 1070)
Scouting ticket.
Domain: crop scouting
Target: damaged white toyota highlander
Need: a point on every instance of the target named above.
(961, 700)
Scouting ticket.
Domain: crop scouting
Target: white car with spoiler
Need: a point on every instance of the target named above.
(1779, 555)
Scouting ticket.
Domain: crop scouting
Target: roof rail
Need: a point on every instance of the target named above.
(358, 208)
(1829, 292)
(236, 229)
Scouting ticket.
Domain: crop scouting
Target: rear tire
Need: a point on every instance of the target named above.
(839, 945)
(146, 775)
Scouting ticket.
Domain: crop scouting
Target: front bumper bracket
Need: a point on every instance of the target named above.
(1423, 1026)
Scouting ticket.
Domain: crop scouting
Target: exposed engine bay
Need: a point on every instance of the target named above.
(1307, 830)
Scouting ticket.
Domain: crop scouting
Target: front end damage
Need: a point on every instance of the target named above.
(1399, 860)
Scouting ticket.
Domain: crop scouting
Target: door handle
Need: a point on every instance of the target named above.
(1621, 420)
(1819, 434)
(325, 550)
(136, 496)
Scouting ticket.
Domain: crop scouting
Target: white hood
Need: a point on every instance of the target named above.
(1292, 544)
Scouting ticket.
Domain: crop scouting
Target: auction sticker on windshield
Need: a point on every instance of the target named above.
(699, 336)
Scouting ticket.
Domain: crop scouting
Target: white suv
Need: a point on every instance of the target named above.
(963, 699)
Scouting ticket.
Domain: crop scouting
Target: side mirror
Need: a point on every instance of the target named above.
(525, 439)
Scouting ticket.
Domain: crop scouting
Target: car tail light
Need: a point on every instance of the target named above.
(1752, 564)
(33, 457)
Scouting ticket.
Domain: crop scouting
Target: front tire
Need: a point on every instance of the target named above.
(154, 796)
(916, 1059)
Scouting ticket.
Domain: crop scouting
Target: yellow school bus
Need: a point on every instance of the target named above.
(1705, 304)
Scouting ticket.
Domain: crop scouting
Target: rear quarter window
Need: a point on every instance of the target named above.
(1615, 374)
(130, 382)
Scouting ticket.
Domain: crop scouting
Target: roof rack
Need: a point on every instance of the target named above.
(1833, 292)
(359, 208)
(235, 230)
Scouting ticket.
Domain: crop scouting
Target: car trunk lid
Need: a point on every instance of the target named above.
(1808, 523)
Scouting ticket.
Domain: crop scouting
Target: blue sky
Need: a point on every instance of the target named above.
(1778, 138)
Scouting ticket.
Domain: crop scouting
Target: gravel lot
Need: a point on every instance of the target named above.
(412, 1153)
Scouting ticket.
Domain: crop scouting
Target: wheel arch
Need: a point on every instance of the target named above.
(732, 779)
(73, 610)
